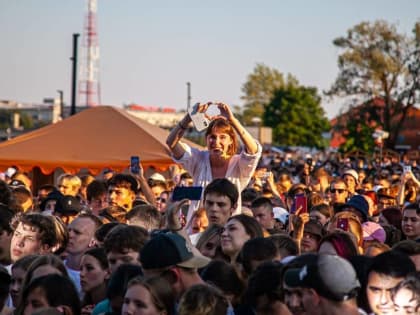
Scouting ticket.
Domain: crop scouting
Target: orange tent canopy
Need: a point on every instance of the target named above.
(94, 139)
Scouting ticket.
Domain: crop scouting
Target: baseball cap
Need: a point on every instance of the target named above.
(353, 173)
(281, 214)
(373, 231)
(170, 249)
(330, 276)
(68, 205)
(157, 177)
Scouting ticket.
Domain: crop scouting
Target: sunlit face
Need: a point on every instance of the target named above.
(36, 299)
(162, 201)
(218, 143)
(81, 235)
(339, 193)
(406, 302)
(264, 216)
(26, 241)
(218, 208)
(139, 301)
(120, 196)
(199, 223)
(378, 291)
(92, 275)
(411, 224)
(350, 182)
(233, 237)
(66, 188)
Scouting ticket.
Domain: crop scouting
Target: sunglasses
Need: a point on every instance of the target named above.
(334, 190)
(161, 199)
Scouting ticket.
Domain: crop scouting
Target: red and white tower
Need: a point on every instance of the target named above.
(89, 87)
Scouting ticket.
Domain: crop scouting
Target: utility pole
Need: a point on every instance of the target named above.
(74, 74)
(188, 94)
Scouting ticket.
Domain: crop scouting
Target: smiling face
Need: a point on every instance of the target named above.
(218, 143)
(233, 237)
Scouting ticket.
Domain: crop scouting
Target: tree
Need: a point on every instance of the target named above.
(259, 89)
(296, 116)
(378, 62)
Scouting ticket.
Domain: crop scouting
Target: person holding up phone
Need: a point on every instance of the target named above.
(221, 159)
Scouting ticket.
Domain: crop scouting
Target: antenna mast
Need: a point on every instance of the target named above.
(89, 88)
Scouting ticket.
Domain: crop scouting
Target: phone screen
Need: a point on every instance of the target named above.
(187, 192)
(343, 224)
(300, 204)
(135, 165)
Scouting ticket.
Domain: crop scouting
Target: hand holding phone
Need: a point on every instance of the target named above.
(198, 116)
(343, 224)
(135, 165)
(300, 204)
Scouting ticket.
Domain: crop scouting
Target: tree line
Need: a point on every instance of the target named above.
(375, 62)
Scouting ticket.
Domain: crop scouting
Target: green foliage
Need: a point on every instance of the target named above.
(296, 116)
(26, 121)
(378, 62)
(259, 89)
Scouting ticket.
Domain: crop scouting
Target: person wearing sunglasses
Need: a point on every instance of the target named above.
(339, 192)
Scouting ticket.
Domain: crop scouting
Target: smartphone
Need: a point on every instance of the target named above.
(199, 119)
(135, 165)
(343, 224)
(407, 168)
(187, 192)
(300, 204)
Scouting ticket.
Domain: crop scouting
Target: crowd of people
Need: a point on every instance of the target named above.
(272, 233)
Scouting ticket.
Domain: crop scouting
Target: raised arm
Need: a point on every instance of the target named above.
(251, 146)
(175, 135)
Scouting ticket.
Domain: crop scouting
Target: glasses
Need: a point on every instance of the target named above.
(334, 190)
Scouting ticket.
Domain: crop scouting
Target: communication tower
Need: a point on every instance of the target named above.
(89, 87)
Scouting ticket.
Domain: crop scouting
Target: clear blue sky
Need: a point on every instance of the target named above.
(150, 49)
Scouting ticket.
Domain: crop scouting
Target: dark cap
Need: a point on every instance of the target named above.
(359, 203)
(330, 276)
(170, 249)
(68, 205)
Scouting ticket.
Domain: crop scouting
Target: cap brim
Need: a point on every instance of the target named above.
(197, 261)
(292, 279)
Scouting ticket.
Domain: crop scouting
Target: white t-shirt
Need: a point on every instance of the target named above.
(240, 170)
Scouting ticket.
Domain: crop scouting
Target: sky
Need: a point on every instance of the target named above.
(149, 50)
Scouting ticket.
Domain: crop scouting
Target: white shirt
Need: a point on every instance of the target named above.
(240, 170)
